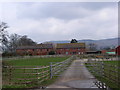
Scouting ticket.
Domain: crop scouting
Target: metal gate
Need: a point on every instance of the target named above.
(57, 67)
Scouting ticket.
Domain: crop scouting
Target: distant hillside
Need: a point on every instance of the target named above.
(100, 43)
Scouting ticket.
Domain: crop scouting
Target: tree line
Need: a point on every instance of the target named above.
(10, 42)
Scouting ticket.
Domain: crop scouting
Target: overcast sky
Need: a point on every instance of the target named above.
(46, 21)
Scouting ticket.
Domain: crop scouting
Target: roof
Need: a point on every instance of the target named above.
(93, 51)
(39, 46)
(70, 45)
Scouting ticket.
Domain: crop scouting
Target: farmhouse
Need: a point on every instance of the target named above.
(70, 48)
(44, 49)
(40, 49)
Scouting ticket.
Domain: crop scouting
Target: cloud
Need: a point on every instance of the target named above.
(62, 21)
(59, 10)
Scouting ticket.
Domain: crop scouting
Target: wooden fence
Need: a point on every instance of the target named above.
(38, 56)
(18, 75)
(106, 73)
(57, 67)
(25, 74)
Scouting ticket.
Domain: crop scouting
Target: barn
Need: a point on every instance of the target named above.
(118, 50)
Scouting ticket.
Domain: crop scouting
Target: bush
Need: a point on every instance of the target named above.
(9, 54)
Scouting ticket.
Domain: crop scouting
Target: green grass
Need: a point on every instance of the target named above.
(107, 69)
(32, 62)
(112, 62)
(33, 85)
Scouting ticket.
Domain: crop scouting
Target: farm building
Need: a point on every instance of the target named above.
(40, 49)
(109, 52)
(93, 52)
(70, 48)
(59, 49)
(118, 50)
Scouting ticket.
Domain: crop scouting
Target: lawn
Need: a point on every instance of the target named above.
(17, 73)
(34, 61)
(112, 62)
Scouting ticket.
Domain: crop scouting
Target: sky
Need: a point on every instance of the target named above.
(51, 21)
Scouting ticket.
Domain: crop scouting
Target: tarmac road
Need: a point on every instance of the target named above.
(76, 76)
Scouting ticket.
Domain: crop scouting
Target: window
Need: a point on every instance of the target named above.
(74, 52)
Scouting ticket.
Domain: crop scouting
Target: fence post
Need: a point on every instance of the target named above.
(10, 74)
(51, 74)
(37, 74)
(102, 68)
(102, 74)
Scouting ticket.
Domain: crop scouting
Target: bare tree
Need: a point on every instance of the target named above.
(3, 36)
(17, 40)
(14, 42)
(25, 41)
(8, 44)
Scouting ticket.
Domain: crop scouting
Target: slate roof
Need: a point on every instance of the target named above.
(39, 46)
(70, 45)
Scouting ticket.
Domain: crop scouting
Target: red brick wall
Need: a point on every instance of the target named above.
(46, 51)
(118, 50)
(70, 51)
(33, 51)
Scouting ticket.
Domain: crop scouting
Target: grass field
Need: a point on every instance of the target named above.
(112, 62)
(19, 73)
(34, 61)
(111, 74)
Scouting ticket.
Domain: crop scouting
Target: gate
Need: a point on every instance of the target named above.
(57, 67)
(107, 74)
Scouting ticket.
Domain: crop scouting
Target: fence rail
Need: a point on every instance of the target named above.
(23, 57)
(57, 68)
(33, 74)
(107, 74)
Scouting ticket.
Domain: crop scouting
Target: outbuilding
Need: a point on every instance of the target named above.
(118, 50)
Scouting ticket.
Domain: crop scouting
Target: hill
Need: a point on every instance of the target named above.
(111, 42)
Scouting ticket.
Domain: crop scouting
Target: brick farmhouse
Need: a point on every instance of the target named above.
(40, 49)
(59, 49)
